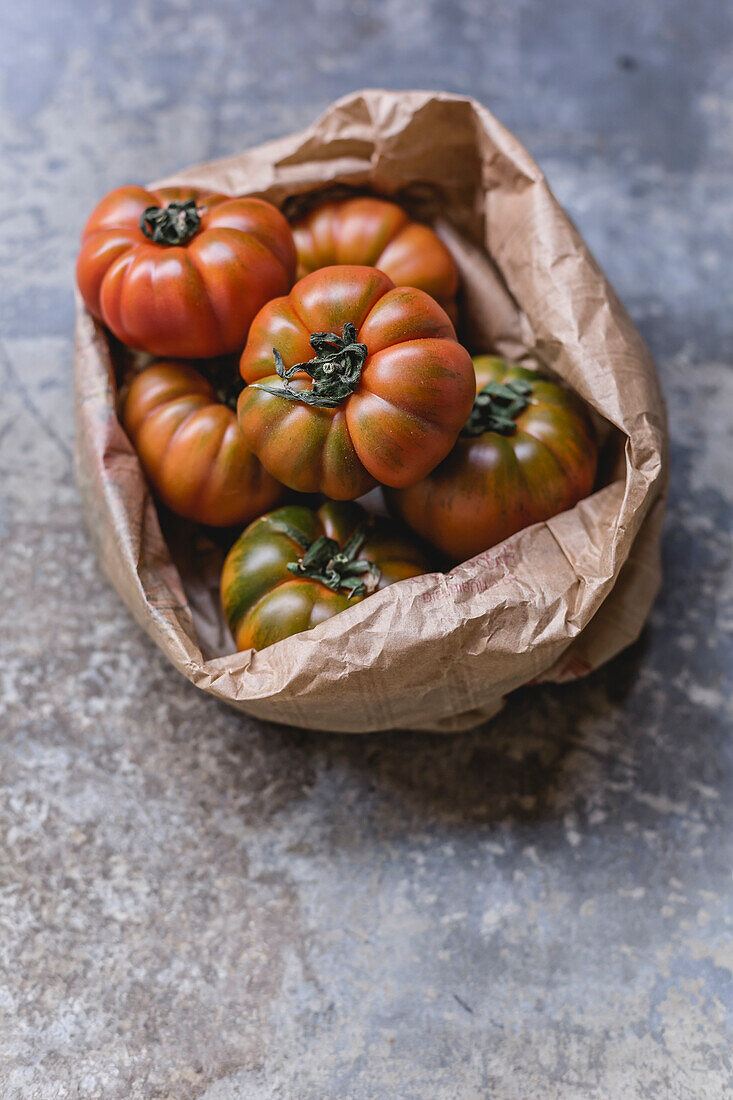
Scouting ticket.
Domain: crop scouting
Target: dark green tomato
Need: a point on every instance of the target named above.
(537, 458)
(264, 600)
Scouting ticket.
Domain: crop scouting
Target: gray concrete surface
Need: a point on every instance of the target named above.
(197, 905)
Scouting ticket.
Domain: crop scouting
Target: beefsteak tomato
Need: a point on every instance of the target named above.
(384, 398)
(294, 568)
(377, 233)
(192, 450)
(181, 272)
(528, 451)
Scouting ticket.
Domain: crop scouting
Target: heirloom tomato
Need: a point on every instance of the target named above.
(181, 272)
(377, 233)
(294, 568)
(192, 450)
(382, 400)
(527, 452)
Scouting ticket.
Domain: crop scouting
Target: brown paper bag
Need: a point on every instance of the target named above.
(437, 652)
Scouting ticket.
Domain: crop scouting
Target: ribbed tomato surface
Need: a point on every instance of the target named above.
(192, 450)
(405, 405)
(494, 483)
(264, 600)
(377, 233)
(194, 299)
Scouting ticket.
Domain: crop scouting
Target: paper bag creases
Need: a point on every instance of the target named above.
(553, 602)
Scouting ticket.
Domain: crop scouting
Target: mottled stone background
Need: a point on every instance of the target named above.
(193, 904)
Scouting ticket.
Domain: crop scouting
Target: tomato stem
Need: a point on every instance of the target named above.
(335, 369)
(496, 407)
(335, 567)
(173, 224)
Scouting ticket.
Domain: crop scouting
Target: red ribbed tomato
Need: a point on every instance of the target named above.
(295, 568)
(181, 272)
(191, 448)
(527, 452)
(377, 233)
(389, 388)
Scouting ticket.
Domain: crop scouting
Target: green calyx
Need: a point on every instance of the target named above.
(496, 407)
(173, 224)
(335, 369)
(337, 568)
